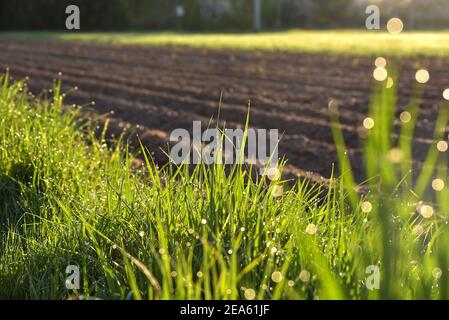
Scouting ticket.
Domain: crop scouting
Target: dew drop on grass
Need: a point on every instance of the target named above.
(250, 294)
(277, 191)
(437, 273)
(366, 207)
(304, 276)
(276, 276)
(395, 155)
(426, 211)
(274, 174)
(311, 229)
(405, 117)
(203, 221)
(418, 230)
(442, 146)
(437, 184)
(291, 283)
(333, 105)
(368, 123)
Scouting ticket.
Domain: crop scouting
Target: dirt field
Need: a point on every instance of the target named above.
(162, 88)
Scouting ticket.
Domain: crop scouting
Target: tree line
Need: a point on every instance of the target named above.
(200, 15)
(161, 14)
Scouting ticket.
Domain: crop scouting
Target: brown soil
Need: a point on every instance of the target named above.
(160, 89)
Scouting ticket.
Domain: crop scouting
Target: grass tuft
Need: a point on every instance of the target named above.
(69, 197)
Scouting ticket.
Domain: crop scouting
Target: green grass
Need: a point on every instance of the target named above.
(357, 42)
(68, 197)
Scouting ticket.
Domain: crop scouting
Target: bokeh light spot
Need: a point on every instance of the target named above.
(442, 146)
(380, 62)
(405, 117)
(426, 211)
(446, 94)
(390, 83)
(368, 123)
(380, 74)
(422, 76)
(366, 207)
(395, 26)
(438, 185)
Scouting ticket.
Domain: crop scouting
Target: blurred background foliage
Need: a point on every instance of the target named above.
(213, 15)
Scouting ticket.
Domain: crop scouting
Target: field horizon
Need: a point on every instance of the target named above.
(345, 41)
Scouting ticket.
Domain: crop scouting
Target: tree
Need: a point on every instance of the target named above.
(257, 12)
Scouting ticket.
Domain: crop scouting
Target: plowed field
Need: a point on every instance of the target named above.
(158, 89)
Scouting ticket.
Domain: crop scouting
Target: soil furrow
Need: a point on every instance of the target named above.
(154, 90)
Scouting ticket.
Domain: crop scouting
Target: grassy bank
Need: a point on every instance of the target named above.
(361, 42)
(68, 197)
